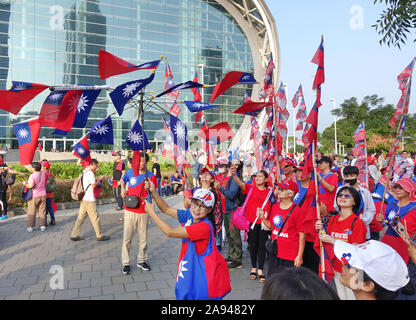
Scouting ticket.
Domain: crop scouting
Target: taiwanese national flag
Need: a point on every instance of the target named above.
(27, 134)
(326, 273)
(135, 138)
(231, 79)
(102, 131)
(84, 107)
(21, 93)
(181, 86)
(196, 91)
(268, 89)
(196, 106)
(82, 150)
(179, 133)
(404, 77)
(171, 97)
(59, 109)
(217, 134)
(110, 65)
(296, 97)
(313, 116)
(126, 91)
(252, 108)
(318, 59)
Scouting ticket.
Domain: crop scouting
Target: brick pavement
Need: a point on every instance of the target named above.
(30, 262)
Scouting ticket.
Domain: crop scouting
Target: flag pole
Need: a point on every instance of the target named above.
(366, 159)
(275, 138)
(318, 212)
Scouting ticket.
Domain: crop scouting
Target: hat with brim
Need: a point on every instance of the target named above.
(378, 260)
(289, 185)
(409, 186)
(205, 196)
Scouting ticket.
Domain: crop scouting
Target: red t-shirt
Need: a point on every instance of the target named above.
(325, 196)
(199, 233)
(341, 230)
(136, 187)
(256, 200)
(288, 241)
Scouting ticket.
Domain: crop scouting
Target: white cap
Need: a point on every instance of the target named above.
(206, 196)
(378, 260)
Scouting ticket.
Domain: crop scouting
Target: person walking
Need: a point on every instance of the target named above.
(88, 204)
(135, 215)
(50, 186)
(37, 204)
(119, 169)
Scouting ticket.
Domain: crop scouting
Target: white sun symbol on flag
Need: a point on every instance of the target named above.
(133, 181)
(83, 102)
(23, 133)
(101, 130)
(135, 137)
(198, 105)
(55, 96)
(20, 87)
(146, 65)
(391, 215)
(181, 269)
(180, 131)
(80, 151)
(246, 77)
(129, 89)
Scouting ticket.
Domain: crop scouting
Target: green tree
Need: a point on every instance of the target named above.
(396, 22)
(376, 117)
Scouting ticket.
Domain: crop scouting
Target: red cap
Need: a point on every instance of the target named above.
(206, 170)
(287, 162)
(289, 185)
(45, 164)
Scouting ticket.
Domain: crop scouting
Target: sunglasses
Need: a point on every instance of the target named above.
(345, 196)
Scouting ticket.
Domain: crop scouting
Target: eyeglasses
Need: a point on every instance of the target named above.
(345, 196)
(198, 206)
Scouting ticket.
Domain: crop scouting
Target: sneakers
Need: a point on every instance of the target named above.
(29, 229)
(144, 266)
(103, 238)
(4, 217)
(42, 228)
(235, 265)
(125, 270)
(52, 223)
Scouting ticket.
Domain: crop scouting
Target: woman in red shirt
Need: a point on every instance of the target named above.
(290, 236)
(345, 226)
(259, 199)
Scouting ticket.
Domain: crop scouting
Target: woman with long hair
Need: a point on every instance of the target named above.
(259, 199)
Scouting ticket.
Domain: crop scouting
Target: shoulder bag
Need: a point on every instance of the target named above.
(239, 219)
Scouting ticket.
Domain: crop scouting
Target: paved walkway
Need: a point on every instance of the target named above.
(31, 264)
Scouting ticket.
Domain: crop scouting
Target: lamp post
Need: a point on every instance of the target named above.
(202, 66)
(335, 126)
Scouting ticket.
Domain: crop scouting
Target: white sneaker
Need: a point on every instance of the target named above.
(29, 229)
(42, 228)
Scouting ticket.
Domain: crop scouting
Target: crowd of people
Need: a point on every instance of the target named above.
(366, 230)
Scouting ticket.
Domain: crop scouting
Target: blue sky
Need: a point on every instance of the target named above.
(355, 64)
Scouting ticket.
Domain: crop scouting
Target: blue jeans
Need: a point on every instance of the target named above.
(166, 191)
(49, 209)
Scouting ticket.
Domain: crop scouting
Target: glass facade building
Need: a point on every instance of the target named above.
(57, 43)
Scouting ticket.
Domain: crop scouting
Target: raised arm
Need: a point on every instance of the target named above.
(163, 206)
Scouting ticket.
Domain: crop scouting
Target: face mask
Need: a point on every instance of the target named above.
(351, 182)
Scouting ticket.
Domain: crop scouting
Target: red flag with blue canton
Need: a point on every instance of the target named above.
(82, 150)
(27, 134)
(59, 109)
(135, 138)
(84, 107)
(171, 97)
(200, 276)
(110, 65)
(126, 91)
(102, 132)
(196, 91)
(298, 94)
(268, 89)
(20, 93)
(318, 59)
(231, 79)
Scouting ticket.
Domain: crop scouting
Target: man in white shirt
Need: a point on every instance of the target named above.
(88, 205)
